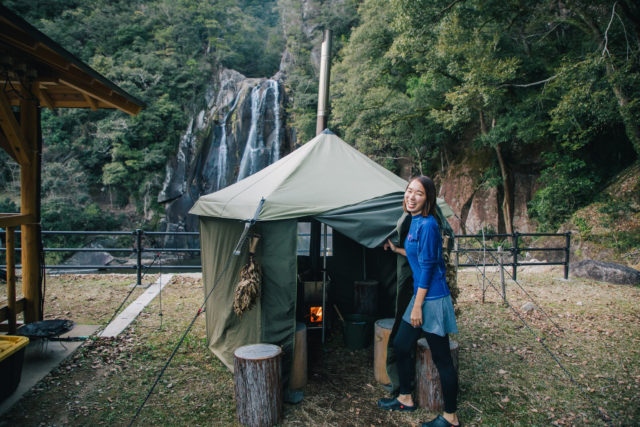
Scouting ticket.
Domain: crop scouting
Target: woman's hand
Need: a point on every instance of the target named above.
(396, 250)
(389, 245)
(416, 316)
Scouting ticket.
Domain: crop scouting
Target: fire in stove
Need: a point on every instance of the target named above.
(315, 314)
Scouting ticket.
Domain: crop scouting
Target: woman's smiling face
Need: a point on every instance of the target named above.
(415, 197)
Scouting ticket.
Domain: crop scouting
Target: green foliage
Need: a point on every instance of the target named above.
(302, 73)
(162, 51)
(425, 80)
(8, 206)
(568, 184)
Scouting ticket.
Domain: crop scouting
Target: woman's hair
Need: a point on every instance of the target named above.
(429, 207)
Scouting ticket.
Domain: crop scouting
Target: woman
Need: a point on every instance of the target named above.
(430, 311)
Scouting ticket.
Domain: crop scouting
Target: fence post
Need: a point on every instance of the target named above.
(500, 261)
(567, 254)
(456, 246)
(139, 257)
(515, 255)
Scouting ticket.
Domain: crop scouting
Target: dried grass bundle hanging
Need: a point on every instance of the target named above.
(248, 288)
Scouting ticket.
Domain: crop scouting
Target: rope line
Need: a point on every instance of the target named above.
(533, 300)
(541, 340)
(202, 308)
(184, 335)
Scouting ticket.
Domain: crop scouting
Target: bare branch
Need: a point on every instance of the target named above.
(529, 84)
(606, 33)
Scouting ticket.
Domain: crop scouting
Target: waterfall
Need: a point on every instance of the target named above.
(255, 143)
(223, 150)
(221, 164)
(275, 148)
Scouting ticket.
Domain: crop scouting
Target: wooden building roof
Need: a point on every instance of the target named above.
(31, 64)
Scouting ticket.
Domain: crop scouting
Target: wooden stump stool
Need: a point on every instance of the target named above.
(428, 387)
(257, 372)
(299, 366)
(382, 331)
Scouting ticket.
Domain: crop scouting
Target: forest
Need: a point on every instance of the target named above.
(545, 86)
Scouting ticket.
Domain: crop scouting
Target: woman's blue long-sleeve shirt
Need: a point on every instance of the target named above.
(424, 253)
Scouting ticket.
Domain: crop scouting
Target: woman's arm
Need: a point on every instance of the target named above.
(396, 250)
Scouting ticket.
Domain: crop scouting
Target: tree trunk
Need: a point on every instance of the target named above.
(504, 173)
(508, 196)
(258, 384)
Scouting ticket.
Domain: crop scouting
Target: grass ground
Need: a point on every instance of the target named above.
(506, 375)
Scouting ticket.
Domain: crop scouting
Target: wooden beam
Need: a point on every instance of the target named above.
(4, 144)
(4, 311)
(12, 130)
(105, 95)
(15, 219)
(90, 101)
(43, 96)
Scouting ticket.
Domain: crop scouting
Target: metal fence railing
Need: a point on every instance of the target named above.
(474, 245)
(515, 245)
(140, 242)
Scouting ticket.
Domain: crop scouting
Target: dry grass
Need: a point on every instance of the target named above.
(506, 376)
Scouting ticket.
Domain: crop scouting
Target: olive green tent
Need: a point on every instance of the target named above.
(326, 180)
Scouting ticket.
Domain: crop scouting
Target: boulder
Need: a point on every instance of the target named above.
(606, 272)
(89, 258)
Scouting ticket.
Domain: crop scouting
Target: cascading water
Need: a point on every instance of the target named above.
(223, 150)
(240, 132)
(255, 143)
(275, 147)
(257, 154)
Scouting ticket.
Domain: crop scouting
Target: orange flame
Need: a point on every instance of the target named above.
(315, 314)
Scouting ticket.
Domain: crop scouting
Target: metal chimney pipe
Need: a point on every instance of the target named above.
(323, 87)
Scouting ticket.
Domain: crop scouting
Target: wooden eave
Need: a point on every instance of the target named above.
(31, 64)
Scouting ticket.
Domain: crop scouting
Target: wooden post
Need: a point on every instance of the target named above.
(29, 205)
(299, 366)
(383, 329)
(258, 384)
(501, 262)
(428, 387)
(11, 278)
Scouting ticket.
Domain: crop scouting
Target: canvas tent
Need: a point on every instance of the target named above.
(325, 180)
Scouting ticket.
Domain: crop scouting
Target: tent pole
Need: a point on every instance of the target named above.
(324, 282)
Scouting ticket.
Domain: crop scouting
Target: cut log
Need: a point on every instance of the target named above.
(299, 367)
(365, 297)
(382, 331)
(258, 384)
(428, 386)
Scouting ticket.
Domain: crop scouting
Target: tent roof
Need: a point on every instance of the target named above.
(324, 174)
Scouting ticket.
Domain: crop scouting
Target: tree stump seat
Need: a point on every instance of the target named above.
(257, 372)
(428, 389)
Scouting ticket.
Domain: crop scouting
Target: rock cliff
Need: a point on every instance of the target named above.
(240, 131)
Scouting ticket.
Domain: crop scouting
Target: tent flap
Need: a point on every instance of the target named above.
(368, 223)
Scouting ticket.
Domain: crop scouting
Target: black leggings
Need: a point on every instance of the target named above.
(404, 344)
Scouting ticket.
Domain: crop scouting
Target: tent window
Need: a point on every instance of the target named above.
(304, 239)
